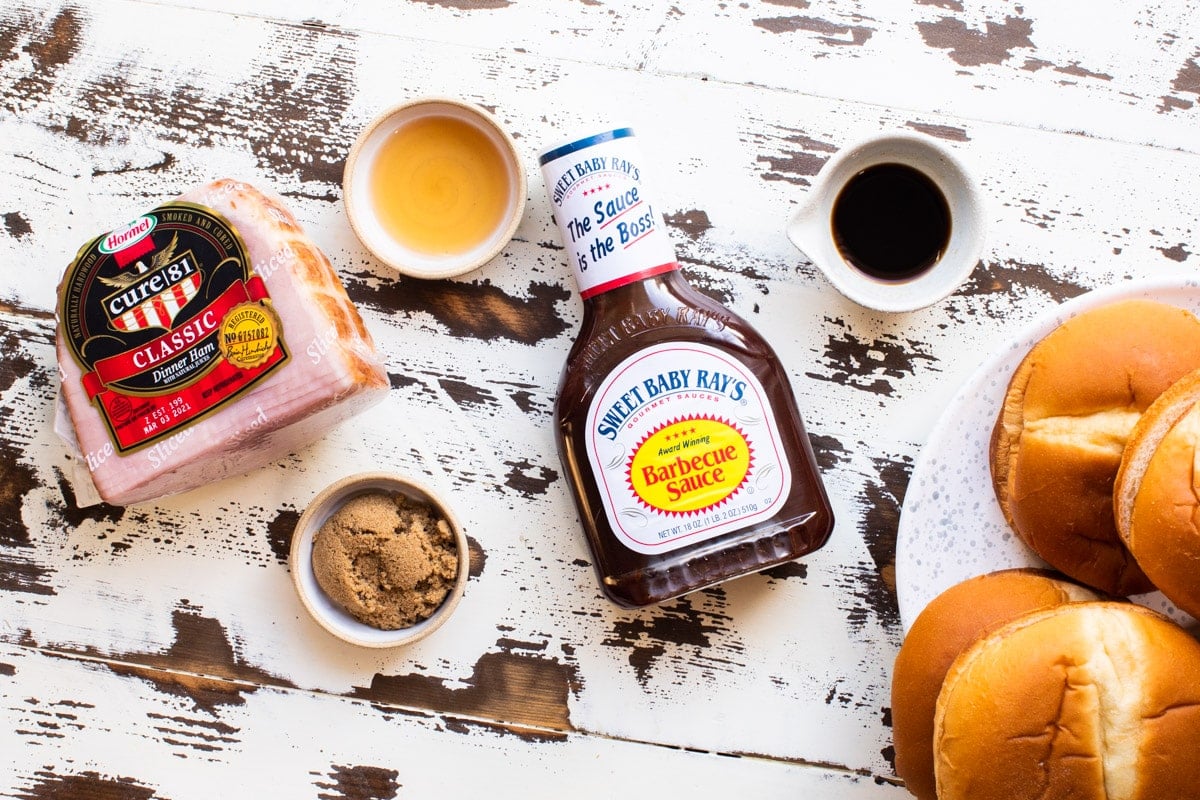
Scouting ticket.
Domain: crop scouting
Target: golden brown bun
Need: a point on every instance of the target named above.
(951, 622)
(1084, 700)
(1068, 412)
(1157, 494)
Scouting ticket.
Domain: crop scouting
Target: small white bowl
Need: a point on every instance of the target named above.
(356, 190)
(811, 231)
(331, 616)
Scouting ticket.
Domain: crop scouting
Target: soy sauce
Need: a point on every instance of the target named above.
(891, 222)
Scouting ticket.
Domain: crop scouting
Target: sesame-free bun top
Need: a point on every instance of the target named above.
(950, 623)
(1068, 412)
(1157, 493)
(1083, 700)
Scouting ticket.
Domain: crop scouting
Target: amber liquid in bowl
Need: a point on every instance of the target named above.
(440, 186)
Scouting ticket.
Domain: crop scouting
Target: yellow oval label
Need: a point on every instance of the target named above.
(690, 465)
(248, 334)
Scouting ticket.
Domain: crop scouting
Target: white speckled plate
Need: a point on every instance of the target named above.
(951, 527)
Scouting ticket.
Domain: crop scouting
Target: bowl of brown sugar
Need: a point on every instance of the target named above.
(378, 560)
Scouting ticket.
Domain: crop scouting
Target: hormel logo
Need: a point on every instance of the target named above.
(123, 238)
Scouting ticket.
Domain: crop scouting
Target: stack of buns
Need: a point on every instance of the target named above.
(946, 627)
(1019, 684)
(1035, 684)
(1069, 411)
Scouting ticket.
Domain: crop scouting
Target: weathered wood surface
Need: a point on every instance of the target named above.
(158, 651)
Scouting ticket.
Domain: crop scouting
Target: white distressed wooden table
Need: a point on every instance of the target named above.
(159, 651)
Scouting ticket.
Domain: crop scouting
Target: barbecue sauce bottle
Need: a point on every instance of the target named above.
(687, 457)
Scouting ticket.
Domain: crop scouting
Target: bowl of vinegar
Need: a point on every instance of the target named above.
(434, 188)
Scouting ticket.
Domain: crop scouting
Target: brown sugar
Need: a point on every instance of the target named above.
(388, 560)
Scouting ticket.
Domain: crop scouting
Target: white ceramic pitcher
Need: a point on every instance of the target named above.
(810, 227)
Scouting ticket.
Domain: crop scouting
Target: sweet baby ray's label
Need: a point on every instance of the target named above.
(682, 445)
(168, 322)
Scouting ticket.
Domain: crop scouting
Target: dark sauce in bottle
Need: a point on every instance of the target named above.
(676, 422)
(891, 222)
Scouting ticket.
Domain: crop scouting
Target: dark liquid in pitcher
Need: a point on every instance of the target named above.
(891, 222)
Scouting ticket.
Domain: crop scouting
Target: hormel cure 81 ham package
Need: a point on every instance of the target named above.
(206, 338)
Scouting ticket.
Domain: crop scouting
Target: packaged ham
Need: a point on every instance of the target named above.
(204, 339)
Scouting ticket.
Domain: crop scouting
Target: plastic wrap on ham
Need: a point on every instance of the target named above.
(208, 337)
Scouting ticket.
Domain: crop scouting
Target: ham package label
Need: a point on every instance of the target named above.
(167, 321)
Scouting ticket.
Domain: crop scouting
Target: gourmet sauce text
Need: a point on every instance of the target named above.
(167, 321)
(688, 459)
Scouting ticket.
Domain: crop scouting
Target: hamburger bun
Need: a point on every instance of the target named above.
(952, 621)
(1084, 700)
(1157, 494)
(1058, 440)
